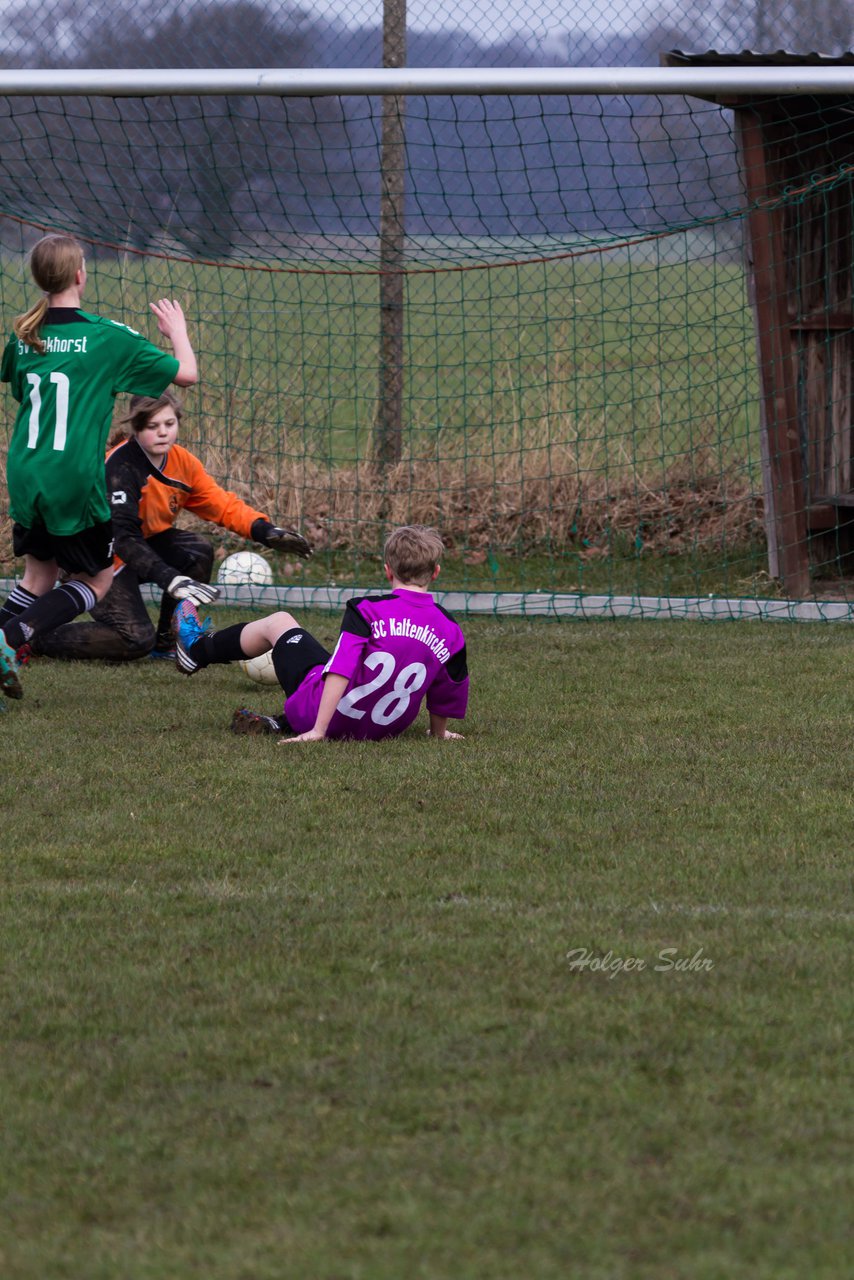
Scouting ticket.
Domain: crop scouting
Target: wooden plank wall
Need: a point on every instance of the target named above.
(806, 331)
(806, 146)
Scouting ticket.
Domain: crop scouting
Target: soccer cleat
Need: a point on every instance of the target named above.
(162, 654)
(253, 723)
(10, 685)
(188, 629)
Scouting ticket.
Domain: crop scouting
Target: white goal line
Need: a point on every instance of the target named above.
(541, 604)
(559, 605)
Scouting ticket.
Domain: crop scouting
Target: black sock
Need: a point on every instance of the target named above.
(219, 646)
(63, 604)
(19, 599)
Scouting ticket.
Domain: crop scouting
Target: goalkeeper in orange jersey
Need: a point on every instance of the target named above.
(150, 479)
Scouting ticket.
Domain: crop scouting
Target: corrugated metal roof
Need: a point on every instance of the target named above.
(747, 58)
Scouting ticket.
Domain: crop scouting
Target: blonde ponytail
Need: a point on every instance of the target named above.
(28, 326)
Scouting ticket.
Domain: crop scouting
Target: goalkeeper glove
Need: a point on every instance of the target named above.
(182, 588)
(279, 539)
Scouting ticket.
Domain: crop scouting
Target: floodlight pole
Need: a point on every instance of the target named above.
(388, 431)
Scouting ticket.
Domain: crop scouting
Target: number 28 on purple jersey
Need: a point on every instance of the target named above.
(395, 651)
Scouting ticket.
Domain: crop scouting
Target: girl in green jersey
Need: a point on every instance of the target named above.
(65, 368)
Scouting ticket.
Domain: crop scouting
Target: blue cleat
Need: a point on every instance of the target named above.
(10, 685)
(187, 630)
(163, 655)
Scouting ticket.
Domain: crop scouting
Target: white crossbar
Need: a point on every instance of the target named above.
(310, 82)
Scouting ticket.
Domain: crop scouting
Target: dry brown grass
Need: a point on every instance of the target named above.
(542, 499)
(538, 500)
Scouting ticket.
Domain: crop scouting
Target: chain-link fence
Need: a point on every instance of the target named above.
(176, 33)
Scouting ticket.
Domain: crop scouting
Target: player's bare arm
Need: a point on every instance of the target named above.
(334, 688)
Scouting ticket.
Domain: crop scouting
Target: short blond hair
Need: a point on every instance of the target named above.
(413, 552)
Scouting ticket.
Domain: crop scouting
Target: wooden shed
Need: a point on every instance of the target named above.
(797, 155)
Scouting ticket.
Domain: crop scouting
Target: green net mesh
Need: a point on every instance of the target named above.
(580, 404)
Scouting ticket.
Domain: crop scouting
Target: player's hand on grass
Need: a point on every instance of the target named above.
(279, 538)
(311, 735)
(439, 728)
(182, 588)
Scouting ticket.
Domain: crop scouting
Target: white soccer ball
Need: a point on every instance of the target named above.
(244, 568)
(261, 669)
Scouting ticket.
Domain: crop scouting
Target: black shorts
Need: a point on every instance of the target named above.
(88, 551)
(295, 653)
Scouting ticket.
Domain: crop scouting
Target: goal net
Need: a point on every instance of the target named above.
(523, 317)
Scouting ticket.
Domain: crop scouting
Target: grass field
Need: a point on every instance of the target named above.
(743, 575)
(567, 999)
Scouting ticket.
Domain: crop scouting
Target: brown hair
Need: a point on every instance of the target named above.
(140, 412)
(54, 263)
(412, 553)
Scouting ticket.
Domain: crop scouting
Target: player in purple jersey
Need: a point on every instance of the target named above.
(394, 652)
